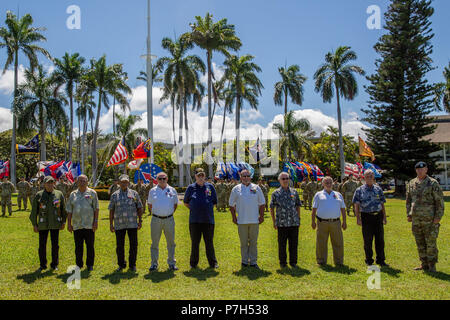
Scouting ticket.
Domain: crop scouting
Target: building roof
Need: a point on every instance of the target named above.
(442, 132)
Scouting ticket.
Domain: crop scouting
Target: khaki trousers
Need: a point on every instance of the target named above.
(22, 198)
(333, 230)
(158, 226)
(248, 234)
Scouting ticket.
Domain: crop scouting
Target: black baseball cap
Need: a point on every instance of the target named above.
(421, 164)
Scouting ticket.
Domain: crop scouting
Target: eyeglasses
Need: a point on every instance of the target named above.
(245, 176)
(284, 178)
(162, 178)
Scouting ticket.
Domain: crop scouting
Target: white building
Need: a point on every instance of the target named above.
(441, 136)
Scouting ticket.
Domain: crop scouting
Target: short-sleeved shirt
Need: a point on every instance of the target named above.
(370, 199)
(328, 205)
(163, 201)
(285, 202)
(201, 200)
(125, 205)
(82, 205)
(247, 200)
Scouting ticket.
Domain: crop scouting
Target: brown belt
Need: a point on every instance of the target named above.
(328, 220)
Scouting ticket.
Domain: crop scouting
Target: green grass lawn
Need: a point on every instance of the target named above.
(19, 260)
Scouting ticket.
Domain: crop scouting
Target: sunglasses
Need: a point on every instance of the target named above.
(284, 178)
(245, 176)
(162, 178)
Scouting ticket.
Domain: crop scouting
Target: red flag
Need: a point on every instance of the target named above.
(143, 150)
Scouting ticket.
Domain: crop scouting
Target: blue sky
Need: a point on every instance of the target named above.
(275, 32)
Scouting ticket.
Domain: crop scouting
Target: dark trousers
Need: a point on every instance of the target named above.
(287, 235)
(81, 236)
(120, 247)
(197, 230)
(372, 226)
(43, 236)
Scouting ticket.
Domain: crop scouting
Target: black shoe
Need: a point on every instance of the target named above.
(173, 268)
(369, 264)
(244, 265)
(41, 269)
(132, 269)
(119, 269)
(215, 266)
(293, 265)
(91, 268)
(383, 264)
(255, 266)
(153, 268)
(283, 265)
(55, 268)
(193, 267)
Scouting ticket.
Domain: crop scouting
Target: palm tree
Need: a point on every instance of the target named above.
(119, 85)
(336, 75)
(124, 129)
(244, 86)
(101, 79)
(180, 76)
(295, 135)
(20, 36)
(290, 85)
(442, 92)
(213, 36)
(68, 72)
(156, 70)
(37, 98)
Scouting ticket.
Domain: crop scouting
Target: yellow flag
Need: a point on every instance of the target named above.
(364, 150)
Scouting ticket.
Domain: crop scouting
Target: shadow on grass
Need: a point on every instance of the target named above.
(338, 269)
(31, 277)
(201, 275)
(294, 272)
(391, 271)
(116, 277)
(85, 274)
(157, 277)
(252, 273)
(439, 275)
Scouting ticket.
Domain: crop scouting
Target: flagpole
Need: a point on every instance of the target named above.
(149, 86)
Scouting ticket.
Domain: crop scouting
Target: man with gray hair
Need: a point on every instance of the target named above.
(82, 208)
(247, 199)
(287, 203)
(370, 213)
(162, 202)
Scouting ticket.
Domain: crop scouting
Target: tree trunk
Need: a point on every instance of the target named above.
(42, 133)
(173, 125)
(285, 102)
(341, 143)
(208, 146)
(12, 162)
(83, 145)
(237, 127)
(221, 134)
(180, 147)
(114, 116)
(94, 138)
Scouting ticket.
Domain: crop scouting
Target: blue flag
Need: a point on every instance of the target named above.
(147, 173)
(32, 147)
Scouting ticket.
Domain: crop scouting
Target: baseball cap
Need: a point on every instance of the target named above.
(124, 177)
(421, 164)
(48, 179)
(199, 171)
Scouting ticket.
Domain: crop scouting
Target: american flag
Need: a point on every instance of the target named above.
(120, 155)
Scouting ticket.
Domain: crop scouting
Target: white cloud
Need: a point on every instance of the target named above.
(218, 72)
(7, 80)
(6, 119)
(139, 99)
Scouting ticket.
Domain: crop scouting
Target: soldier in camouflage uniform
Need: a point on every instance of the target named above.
(425, 208)
(348, 190)
(62, 186)
(6, 190)
(335, 185)
(265, 191)
(114, 187)
(23, 188)
(319, 186)
(304, 193)
(41, 183)
(221, 191)
(34, 189)
(311, 189)
(141, 189)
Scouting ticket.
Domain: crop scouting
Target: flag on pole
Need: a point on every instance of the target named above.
(135, 164)
(143, 150)
(257, 151)
(4, 169)
(351, 169)
(364, 150)
(32, 146)
(147, 173)
(120, 155)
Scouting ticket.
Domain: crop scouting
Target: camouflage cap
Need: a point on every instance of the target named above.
(124, 177)
(421, 164)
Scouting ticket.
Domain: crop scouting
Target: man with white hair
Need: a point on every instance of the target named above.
(287, 203)
(368, 202)
(82, 208)
(328, 206)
